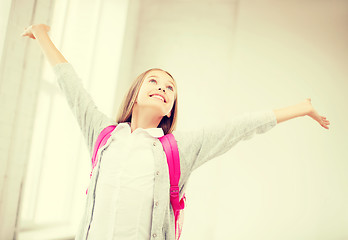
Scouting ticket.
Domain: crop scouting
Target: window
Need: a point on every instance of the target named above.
(57, 176)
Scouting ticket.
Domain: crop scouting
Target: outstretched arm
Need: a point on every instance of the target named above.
(90, 119)
(201, 145)
(299, 110)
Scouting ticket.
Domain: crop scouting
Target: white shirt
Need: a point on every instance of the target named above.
(124, 191)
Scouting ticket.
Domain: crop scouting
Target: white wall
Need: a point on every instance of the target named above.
(229, 57)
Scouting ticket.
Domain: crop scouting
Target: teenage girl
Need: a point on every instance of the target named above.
(128, 196)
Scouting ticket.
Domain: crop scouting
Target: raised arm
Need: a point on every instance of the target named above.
(39, 32)
(90, 119)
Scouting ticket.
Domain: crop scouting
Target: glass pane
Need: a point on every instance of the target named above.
(32, 177)
(60, 159)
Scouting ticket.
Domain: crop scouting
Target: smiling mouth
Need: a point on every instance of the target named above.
(158, 97)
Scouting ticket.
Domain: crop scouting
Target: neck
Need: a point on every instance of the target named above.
(144, 118)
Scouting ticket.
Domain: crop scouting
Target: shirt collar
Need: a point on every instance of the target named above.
(154, 132)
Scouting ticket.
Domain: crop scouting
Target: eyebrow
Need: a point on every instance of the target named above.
(157, 76)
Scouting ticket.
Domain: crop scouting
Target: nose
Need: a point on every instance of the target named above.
(160, 89)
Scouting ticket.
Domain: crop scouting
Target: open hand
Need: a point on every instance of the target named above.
(29, 31)
(314, 114)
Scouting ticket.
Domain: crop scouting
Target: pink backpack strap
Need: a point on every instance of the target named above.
(101, 140)
(171, 150)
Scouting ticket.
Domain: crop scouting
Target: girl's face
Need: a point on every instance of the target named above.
(157, 82)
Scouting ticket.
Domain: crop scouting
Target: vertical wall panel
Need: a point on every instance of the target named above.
(18, 95)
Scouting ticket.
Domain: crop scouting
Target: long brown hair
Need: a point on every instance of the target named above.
(125, 111)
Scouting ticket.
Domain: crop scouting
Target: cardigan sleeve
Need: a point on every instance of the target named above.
(202, 145)
(90, 119)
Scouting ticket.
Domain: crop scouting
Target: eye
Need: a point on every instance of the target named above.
(170, 87)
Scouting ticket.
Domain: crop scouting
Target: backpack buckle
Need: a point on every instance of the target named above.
(174, 191)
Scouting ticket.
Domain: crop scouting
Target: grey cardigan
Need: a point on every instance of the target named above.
(196, 147)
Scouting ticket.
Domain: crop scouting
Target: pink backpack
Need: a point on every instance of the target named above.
(171, 149)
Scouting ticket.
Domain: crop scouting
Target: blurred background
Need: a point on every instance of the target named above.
(228, 57)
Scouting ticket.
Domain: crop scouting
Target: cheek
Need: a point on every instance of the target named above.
(142, 93)
(146, 89)
(172, 102)
(172, 97)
